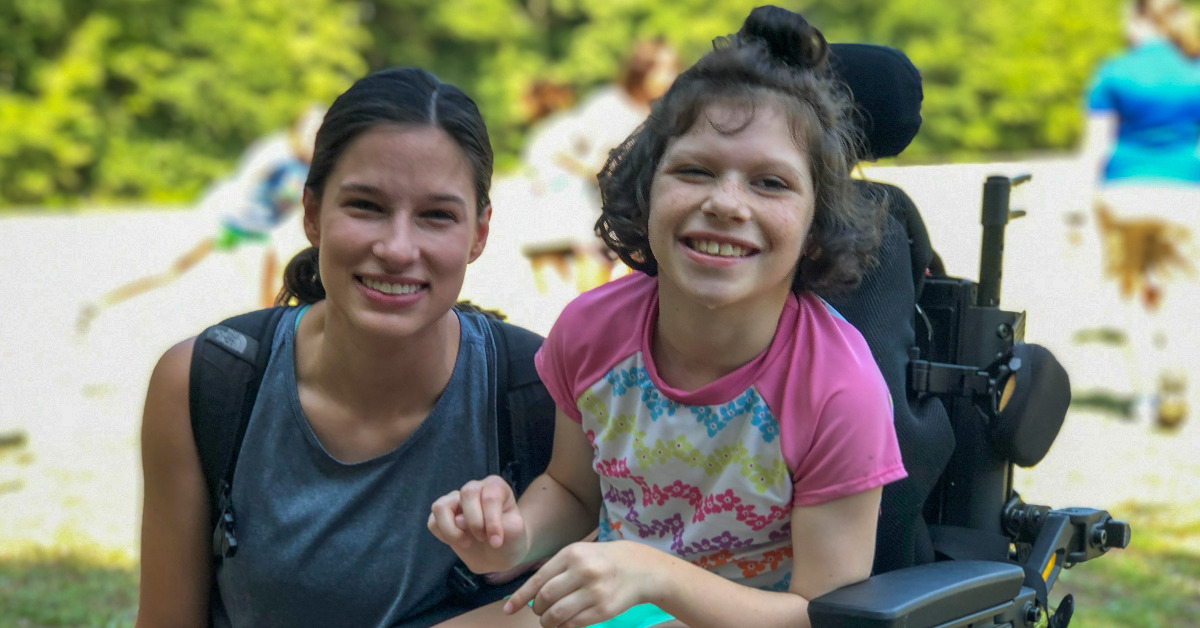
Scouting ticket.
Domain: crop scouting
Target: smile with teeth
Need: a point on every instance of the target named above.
(720, 249)
(390, 288)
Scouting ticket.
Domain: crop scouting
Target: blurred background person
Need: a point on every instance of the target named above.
(563, 156)
(1143, 130)
(261, 193)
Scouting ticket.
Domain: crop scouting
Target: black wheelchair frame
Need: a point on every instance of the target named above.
(1007, 555)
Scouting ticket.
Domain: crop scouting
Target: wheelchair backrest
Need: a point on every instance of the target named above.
(910, 313)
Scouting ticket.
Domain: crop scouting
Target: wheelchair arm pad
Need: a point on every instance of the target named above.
(927, 595)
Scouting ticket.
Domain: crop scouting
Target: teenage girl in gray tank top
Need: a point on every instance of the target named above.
(375, 400)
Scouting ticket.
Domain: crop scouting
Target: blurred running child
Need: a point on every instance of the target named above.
(262, 192)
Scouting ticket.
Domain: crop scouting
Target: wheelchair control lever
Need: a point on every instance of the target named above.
(1115, 534)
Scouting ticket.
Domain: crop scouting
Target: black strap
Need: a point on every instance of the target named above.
(524, 410)
(228, 361)
(524, 429)
(504, 436)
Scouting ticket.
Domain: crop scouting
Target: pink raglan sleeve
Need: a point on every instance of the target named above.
(854, 447)
(844, 441)
(595, 330)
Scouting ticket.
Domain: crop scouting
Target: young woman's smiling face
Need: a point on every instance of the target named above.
(396, 226)
(730, 211)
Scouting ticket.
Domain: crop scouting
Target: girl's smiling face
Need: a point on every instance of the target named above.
(396, 227)
(731, 204)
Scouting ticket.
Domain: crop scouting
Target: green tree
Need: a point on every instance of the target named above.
(496, 49)
(136, 99)
(140, 99)
(999, 77)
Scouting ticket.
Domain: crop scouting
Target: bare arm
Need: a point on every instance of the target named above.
(175, 564)
(563, 504)
(833, 545)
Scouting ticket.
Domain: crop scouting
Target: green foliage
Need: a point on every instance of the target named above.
(1153, 583)
(147, 100)
(67, 586)
(999, 78)
(151, 100)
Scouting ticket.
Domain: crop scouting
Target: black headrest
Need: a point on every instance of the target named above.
(887, 94)
(1028, 425)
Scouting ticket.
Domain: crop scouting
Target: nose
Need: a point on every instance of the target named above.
(727, 200)
(396, 245)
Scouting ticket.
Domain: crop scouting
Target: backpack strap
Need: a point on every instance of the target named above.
(228, 361)
(524, 409)
(524, 435)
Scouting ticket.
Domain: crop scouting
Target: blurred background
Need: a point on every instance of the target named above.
(122, 120)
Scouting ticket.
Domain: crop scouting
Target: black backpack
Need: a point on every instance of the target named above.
(228, 362)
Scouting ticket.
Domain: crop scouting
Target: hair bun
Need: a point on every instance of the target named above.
(787, 37)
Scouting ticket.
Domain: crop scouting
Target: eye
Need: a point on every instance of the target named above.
(773, 183)
(364, 205)
(440, 215)
(692, 172)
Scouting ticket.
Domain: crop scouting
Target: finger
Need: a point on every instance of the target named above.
(441, 520)
(495, 499)
(472, 510)
(566, 612)
(533, 585)
(556, 589)
(589, 616)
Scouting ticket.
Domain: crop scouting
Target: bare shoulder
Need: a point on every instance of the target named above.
(166, 410)
(176, 362)
(175, 567)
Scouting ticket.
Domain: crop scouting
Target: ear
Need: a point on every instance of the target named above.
(312, 217)
(482, 227)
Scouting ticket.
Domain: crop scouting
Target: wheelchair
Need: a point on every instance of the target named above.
(956, 546)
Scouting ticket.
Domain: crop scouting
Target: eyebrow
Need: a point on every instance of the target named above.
(365, 188)
(688, 154)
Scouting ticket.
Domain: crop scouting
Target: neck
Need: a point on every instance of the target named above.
(378, 379)
(694, 345)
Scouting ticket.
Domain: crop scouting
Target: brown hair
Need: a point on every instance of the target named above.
(776, 56)
(1175, 21)
(403, 96)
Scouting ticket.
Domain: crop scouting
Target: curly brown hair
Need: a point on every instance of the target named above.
(777, 56)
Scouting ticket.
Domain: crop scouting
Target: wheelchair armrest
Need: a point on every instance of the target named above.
(927, 595)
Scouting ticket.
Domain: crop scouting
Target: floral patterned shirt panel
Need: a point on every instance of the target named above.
(708, 484)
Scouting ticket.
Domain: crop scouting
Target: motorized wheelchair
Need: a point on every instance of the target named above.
(956, 546)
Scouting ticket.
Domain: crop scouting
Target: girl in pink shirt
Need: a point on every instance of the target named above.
(727, 431)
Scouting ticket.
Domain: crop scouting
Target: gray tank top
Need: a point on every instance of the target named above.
(324, 543)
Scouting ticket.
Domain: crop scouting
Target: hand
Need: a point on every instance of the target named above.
(587, 583)
(482, 524)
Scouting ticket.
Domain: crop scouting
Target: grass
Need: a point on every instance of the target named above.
(72, 586)
(1153, 584)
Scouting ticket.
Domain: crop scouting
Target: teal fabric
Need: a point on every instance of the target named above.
(1154, 90)
(640, 616)
(299, 315)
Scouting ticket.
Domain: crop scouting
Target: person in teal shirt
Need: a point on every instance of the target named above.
(1142, 140)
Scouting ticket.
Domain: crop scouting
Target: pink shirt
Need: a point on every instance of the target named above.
(711, 475)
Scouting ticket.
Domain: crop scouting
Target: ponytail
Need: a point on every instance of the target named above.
(1175, 21)
(1181, 28)
(302, 280)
